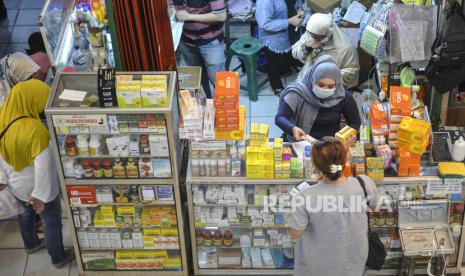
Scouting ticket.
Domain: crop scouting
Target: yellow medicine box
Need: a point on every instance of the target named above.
(126, 211)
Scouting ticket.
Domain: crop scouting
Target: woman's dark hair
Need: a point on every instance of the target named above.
(36, 44)
(326, 152)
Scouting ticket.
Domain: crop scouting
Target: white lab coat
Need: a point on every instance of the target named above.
(339, 47)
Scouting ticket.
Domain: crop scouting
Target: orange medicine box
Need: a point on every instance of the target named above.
(400, 99)
(227, 120)
(378, 116)
(239, 134)
(227, 86)
(227, 111)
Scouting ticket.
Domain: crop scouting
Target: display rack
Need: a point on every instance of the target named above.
(56, 22)
(393, 246)
(130, 226)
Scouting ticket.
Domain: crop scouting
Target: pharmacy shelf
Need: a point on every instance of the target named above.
(118, 181)
(243, 180)
(156, 203)
(106, 156)
(292, 181)
(121, 228)
(125, 249)
(87, 81)
(264, 271)
(227, 205)
(157, 272)
(383, 227)
(236, 246)
(240, 227)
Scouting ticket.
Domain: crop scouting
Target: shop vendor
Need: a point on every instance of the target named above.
(315, 104)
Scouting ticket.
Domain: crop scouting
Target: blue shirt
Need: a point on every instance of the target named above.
(272, 23)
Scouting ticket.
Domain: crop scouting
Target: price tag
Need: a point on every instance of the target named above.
(436, 187)
(454, 184)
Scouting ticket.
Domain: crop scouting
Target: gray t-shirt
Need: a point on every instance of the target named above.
(335, 242)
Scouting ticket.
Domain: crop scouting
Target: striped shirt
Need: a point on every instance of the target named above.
(197, 33)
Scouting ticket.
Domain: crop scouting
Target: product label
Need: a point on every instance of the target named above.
(210, 145)
(106, 88)
(446, 186)
(81, 195)
(95, 120)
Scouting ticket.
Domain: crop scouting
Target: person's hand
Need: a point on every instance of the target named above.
(37, 204)
(313, 44)
(2, 186)
(296, 20)
(182, 15)
(298, 133)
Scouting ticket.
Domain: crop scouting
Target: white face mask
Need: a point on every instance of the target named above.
(323, 93)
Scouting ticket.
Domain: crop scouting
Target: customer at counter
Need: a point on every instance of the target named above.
(314, 104)
(278, 23)
(322, 37)
(27, 168)
(202, 40)
(322, 232)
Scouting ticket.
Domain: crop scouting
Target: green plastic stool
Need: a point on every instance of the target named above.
(247, 49)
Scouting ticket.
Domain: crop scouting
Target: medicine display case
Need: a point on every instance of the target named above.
(235, 231)
(119, 169)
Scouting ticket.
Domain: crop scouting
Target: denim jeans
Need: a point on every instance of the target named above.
(209, 56)
(51, 221)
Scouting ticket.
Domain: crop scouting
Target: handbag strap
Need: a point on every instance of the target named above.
(10, 124)
(362, 184)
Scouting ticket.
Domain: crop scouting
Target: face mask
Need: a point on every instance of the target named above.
(323, 93)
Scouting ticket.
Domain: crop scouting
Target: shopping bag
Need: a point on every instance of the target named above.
(9, 205)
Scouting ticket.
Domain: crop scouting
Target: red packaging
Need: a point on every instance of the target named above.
(81, 195)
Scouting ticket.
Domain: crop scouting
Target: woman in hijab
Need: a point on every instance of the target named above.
(38, 54)
(314, 104)
(27, 168)
(324, 37)
(15, 68)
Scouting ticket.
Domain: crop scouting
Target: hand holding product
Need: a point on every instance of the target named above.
(298, 133)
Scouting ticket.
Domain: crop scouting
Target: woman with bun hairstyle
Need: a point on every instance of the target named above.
(331, 228)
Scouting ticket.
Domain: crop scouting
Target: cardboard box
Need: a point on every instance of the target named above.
(230, 258)
(323, 6)
(98, 260)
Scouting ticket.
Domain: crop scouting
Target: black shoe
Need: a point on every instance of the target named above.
(278, 91)
(37, 248)
(69, 257)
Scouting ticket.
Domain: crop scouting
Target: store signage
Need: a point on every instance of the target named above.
(81, 195)
(94, 120)
(446, 186)
(107, 87)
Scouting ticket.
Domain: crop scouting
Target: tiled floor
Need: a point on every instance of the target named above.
(15, 262)
(21, 22)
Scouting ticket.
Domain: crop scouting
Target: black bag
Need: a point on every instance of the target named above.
(446, 68)
(376, 251)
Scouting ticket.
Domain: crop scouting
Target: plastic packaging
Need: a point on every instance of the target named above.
(307, 163)
(9, 205)
(412, 32)
(458, 153)
(94, 145)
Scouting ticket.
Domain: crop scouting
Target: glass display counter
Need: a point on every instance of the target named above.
(119, 170)
(234, 231)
